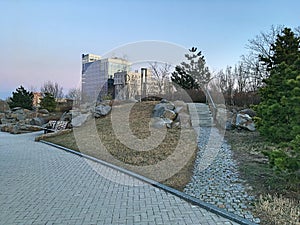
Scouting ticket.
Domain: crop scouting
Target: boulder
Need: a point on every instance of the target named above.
(168, 122)
(160, 123)
(245, 121)
(11, 128)
(30, 128)
(37, 121)
(158, 110)
(43, 111)
(169, 114)
(19, 115)
(16, 108)
(165, 114)
(161, 107)
(164, 101)
(80, 119)
(101, 110)
(176, 125)
(250, 112)
(66, 116)
(157, 123)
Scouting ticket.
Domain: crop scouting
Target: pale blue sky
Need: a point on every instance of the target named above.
(43, 40)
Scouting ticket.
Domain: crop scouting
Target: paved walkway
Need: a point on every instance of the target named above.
(216, 179)
(40, 184)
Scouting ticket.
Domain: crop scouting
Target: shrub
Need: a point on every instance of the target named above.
(21, 98)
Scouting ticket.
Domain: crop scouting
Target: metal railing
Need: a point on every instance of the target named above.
(212, 105)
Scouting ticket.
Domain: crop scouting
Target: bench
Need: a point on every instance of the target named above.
(54, 126)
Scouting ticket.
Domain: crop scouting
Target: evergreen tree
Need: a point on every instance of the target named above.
(184, 80)
(279, 109)
(21, 98)
(193, 73)
(48, 102)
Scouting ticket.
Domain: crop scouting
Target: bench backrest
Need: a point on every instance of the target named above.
(51, 124)
(61, 125)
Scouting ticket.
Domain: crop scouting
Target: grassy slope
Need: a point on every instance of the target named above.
(87, 141)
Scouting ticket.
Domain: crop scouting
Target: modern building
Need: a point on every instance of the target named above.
(135, 85)
(37, 97)
(95, 73)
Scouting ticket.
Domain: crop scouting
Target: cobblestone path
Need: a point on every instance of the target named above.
(216, 179)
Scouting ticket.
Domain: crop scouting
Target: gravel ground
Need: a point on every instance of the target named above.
(216, 179)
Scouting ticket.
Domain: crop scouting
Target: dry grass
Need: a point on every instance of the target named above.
(279, 210)
(278, 194)
(166, 163)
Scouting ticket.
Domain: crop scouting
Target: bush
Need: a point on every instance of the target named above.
(48, 102)
(21, 98)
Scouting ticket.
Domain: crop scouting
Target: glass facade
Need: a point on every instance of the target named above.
(95, 75)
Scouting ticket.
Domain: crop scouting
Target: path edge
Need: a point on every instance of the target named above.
(180, 194)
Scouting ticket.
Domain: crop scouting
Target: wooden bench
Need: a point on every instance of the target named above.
(54, 126)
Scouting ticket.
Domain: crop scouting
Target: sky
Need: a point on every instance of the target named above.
(43, 40)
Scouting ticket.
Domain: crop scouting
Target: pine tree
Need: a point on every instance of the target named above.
(279, 110)
(278, 107)
(184, 80)
(48, 102)
(193, 73)
(21, 98)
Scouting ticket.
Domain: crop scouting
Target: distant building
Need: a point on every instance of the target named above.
(37, 96)
(96, 72)
(130, 85)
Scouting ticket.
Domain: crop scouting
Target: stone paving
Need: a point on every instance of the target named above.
(216, 179)
(40, 184)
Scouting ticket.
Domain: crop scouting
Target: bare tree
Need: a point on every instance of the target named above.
(241, 77)
(52, 88)
(226, 82)
(74, 94)
(160, 74)
(260, 45)
(297, 31)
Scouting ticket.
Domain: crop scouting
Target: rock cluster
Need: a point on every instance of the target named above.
(242, 119)
(88, 110)
(19, 120)
(165, 114)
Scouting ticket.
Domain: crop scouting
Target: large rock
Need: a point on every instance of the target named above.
(20, 115)
(15, 109)
(245, 121)
(157, 123)
(19, 128)
(37, 121)
(101, 110)
(43, 111)
(158, 110)
(80, 119)
(250, 112)
(66, 116)
(165, 114)
(161, 107)
(160, 123)
(169, 114)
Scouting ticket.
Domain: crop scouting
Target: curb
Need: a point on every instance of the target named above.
(182, 195)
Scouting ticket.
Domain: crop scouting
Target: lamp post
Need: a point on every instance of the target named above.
(143, 82)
